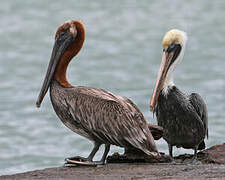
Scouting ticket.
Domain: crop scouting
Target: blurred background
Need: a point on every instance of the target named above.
(122, 54)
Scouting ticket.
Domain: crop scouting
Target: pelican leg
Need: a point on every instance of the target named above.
(170, 150)
(93, 152)
(102, 161)
(107, 148)
(78, 160)
(194, 159)
(195, 153)
(171, 153)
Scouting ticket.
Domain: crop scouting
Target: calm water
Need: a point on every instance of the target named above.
(122, 54)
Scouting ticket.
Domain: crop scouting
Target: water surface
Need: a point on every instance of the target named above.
(122, 54)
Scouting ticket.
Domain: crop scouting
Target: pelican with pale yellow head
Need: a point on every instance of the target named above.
(183, 117)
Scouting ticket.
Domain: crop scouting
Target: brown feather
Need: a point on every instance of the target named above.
(96, 114)
(102, 116)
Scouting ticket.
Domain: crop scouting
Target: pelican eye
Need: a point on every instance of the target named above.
(62, 37)
(171, 47)
(62, 33)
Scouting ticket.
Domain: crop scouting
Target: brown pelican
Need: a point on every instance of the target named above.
(183, 117)
(100, 116)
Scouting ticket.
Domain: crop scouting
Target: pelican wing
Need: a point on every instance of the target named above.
(201, 109)
(111, 119)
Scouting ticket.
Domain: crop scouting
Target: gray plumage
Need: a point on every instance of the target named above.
(200, 107)
(102, 117)
(183, 118)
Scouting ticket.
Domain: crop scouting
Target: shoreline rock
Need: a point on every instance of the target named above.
(212, 166)
(125, 172)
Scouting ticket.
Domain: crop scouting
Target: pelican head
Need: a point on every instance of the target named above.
(69, 39)
(173, 44)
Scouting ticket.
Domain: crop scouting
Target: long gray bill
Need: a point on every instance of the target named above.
(60, 46)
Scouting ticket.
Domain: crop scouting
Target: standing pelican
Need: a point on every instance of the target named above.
(183, 117)
(100, 116)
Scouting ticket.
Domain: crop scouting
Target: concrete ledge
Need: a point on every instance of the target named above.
(125, 172)
(210, 164)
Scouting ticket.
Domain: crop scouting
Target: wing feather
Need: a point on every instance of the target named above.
(111, 118)
(201, 109)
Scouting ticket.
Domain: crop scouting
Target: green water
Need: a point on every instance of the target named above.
(122, 54)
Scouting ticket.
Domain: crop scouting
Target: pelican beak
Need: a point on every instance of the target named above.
(166, 60)
(60, 46)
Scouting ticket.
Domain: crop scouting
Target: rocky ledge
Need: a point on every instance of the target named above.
(210, 165)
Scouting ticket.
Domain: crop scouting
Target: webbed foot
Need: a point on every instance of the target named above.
(76, 158)
(71, 162)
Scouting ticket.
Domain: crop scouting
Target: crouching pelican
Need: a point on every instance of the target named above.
(183, 117)
(100, 116)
